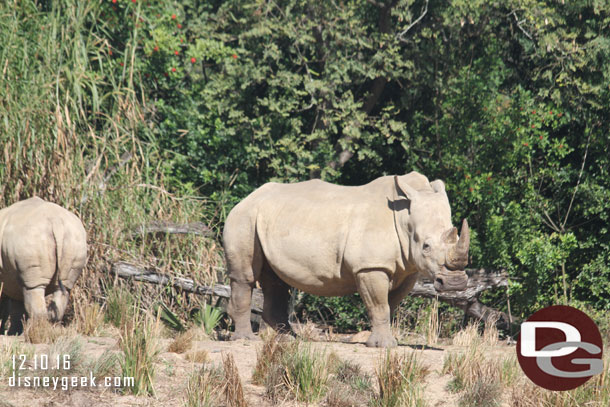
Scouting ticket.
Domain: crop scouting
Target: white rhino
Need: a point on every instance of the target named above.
(43, 250)
(332, 240)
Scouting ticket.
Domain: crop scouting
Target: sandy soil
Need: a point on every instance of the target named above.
(174, 369)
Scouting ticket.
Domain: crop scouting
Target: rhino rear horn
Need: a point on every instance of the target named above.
(457, 257)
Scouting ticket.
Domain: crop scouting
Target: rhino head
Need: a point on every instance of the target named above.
(433, 245)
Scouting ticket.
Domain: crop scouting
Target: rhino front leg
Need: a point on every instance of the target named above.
(396, 296)
(33, 299)
(239, 309)
(373, 286)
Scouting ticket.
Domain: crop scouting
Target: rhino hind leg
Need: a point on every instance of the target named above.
(276, 294)
(239, 309)
(4, 313)
(373, 287)
(15, 315)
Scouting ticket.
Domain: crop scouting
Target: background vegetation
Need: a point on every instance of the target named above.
(131, 111)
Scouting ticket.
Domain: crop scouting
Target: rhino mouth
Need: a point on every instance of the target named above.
(451, 281)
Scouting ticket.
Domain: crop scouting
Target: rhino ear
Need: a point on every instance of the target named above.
(438, 186)
(410, 192)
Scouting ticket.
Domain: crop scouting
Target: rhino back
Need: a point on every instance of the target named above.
(28, 244)
(315, 235)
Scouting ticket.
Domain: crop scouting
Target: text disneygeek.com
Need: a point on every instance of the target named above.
(42, 371)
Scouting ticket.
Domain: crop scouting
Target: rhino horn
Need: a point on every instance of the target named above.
(457, 257)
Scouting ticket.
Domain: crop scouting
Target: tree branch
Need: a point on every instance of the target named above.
(582, 167)
(404, 32)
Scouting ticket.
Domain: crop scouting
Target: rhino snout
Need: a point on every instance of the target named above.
(450, 281)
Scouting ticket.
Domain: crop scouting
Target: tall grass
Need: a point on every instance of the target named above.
(75, 129)
(139, 343)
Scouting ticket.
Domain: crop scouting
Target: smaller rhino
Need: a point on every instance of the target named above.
(43, 250)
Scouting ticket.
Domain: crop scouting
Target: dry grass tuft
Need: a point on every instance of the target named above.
(468, 336)
(41, 330)
(291, 370)
(268, 355)
(433, 328)
(204, 387)
(350, 386)
(234, 391)
(88, 317)
(198, 356)
(491, 335)
(342, 395)
(182, 342)
(485, 392)
(469, 367)
(307, 331)
(399, 378)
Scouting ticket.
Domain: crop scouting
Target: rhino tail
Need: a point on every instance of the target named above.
(62, 263)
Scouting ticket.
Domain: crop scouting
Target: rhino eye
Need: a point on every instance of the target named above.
(426, 247)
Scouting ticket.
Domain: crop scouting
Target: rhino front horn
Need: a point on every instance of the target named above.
(457, 257)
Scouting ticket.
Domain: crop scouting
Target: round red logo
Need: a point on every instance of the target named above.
(560, 348)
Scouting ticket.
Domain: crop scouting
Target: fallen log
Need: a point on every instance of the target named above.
(478, 281)
(195, 228)
(468, 299)
(139, 273)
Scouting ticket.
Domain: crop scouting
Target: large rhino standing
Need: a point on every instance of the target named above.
(43, 250)
(332, 240)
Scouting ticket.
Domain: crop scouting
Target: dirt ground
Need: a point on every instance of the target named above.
(173, 370)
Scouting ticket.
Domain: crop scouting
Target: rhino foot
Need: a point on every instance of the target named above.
(381, 341)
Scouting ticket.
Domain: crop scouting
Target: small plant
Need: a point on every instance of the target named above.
(170, 318)
(209, 318)
(204, 387)
(140, 350)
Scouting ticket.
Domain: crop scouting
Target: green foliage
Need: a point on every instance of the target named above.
(120, 305)
(505, 101)
(342, 313)
(209, 318)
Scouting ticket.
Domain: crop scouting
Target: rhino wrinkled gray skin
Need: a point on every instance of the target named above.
(331, 240)
(43, 250)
